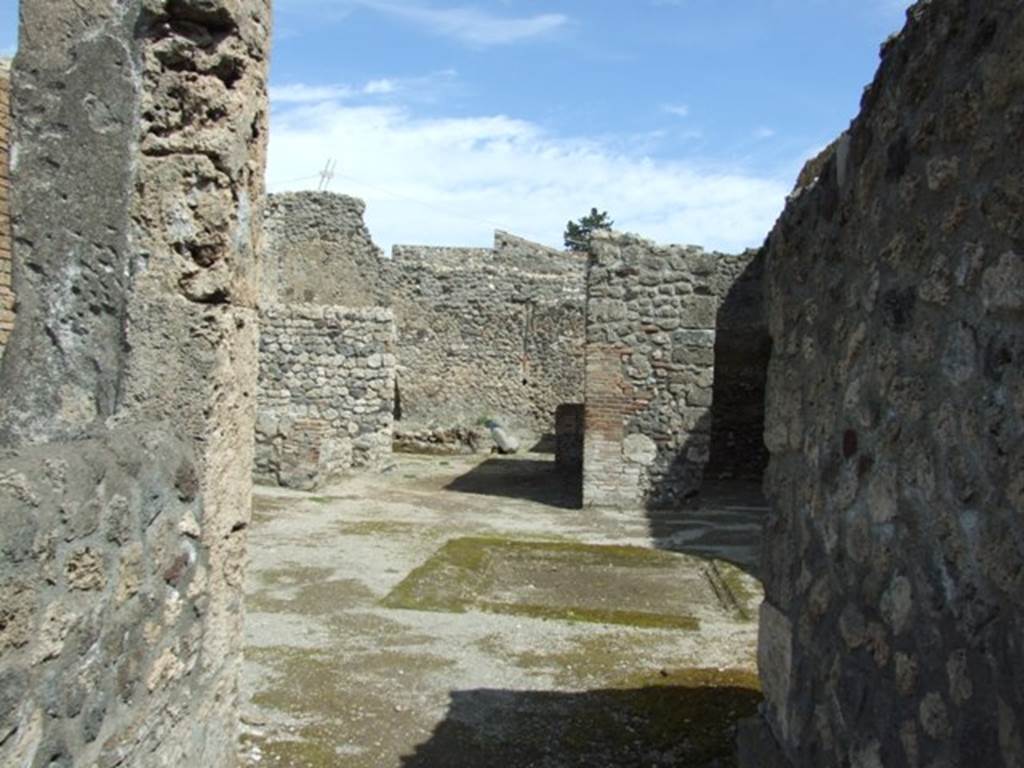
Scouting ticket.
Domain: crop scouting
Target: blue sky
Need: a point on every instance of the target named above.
(686, 119)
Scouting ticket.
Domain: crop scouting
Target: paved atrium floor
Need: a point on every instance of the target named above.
(461, 613)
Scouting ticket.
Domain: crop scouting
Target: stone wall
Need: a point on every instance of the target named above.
(487, 334)
(6, 292)
(326, 393)
(569, 438)
(742, 351)
(129, 380)
(317, 250)
(104, 582)
(482, 332)
(652, 313)
(893, 632)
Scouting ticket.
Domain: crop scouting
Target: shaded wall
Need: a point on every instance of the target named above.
(129, 380)
(326, 393)
(742, 351)
(893, 632)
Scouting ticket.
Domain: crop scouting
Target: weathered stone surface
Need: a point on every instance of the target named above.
(139, 141)
(316, 249)
(440, 442)
(487, 334)
(651, 353)
(895, 551)
(96, 652)
(326, 393)
(482, 333)
(75, 97)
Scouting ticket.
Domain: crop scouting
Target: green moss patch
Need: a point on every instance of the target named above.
(336, 711)
(568, 581)
(378, 528)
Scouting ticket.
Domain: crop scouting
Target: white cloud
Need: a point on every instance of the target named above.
(679, 110)
(452, 181)
(470, 24)
(384, 85)
(300, 93)
(304, 93)
(764, 132)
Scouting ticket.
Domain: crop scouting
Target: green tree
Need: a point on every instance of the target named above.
(577, 233)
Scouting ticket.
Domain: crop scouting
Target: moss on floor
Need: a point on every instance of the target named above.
(378, 528)
(459, 577)
(332, 710)
(639, 619)
(684, 718)
(320, 598)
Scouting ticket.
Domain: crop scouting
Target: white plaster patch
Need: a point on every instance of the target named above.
(639, 449)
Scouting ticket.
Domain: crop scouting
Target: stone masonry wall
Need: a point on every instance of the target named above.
(482, 332)
(105, 585)
(326, 395)
(6, 293)
(893, 632)
(130, 378)
(487, 334)
(317, 250)
(742, 351)
(650, 342)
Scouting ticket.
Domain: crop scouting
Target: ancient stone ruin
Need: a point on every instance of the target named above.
(482, 333)
(129, 381)
(326, 393)
(875, 342)
(892, 629)
(651, 376)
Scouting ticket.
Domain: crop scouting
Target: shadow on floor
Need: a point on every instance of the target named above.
(545, 444)
(672, 725)
(528, 479)
(724, 521)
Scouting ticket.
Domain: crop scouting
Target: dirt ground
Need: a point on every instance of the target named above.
(461, 612)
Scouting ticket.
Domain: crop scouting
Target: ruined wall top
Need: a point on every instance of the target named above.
(509, 252)
(317, 249)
